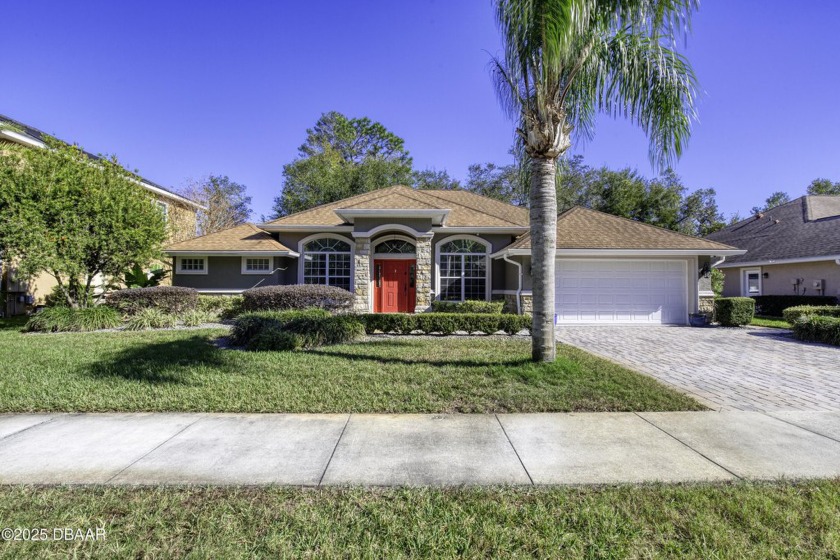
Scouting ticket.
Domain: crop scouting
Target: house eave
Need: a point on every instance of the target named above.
(180, 253)
(20, 138)
(349, 215)
(304, 228)
(769, 262)
(625, 252)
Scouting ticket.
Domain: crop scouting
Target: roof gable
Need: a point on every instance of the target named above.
(466, 209)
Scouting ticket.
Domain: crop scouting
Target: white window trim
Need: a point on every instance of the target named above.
(487, 273)
(260, 272)
(745, 288)
(179, 266)
(395, 256)
(165, 205)
(302, 243)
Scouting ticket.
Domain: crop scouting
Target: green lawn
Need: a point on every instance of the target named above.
(772, 322)
(744, 520)
(184, 371)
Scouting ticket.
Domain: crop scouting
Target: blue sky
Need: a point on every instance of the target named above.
(182, 89)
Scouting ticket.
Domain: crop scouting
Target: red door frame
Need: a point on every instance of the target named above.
(394, 285)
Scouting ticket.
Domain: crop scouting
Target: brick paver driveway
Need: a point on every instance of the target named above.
(743, 369)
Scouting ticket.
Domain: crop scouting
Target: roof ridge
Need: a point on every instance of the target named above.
(431, 191)
(637, 222)
(327, 204)
(410, 194)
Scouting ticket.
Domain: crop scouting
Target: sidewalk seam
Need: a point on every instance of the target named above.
(341, 435)
(689, 447)
(800, 427)
(155, 448)
(13, 434)
(507, 437)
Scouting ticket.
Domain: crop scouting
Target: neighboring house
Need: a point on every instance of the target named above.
(180, 215)
(398, 249)
(792, 249)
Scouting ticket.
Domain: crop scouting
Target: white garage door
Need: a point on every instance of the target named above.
(621, 291)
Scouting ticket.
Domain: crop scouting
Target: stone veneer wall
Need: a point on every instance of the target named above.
(707, 305)
(361, 278)
(423, 281)
(527, 304)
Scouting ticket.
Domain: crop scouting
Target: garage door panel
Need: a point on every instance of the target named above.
(621, 291)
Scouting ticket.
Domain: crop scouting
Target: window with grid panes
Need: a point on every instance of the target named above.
(463, 270)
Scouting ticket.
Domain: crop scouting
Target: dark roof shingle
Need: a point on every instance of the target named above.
(806, 227)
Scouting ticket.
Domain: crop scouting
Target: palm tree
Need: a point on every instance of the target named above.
(564, 62)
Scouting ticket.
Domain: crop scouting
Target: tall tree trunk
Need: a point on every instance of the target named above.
(543, 216)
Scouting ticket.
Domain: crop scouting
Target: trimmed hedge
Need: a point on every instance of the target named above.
(297, 296)
(66, 319)
(225, 307)
(469, 306)
(774, 306)
(734, 311)
(292, 330)
(445, 323)
(818, 328)
(792, 314)
(168, 299)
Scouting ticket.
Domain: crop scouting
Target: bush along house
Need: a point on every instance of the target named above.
(398, 249)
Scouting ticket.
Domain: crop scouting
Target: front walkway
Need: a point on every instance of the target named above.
(434, 450)
(751, 368)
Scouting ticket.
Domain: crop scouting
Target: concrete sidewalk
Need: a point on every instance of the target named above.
(436, 450)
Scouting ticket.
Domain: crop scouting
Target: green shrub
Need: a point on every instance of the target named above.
(65, 319)
(150, 318)
(774, 306)
(197, 317)
(248, 325)
(297, 296)
(274, 338)
(734, 311)
(167, 299)
(445, 323)
(792, 314)
(469, 306)
(225, 307)
(291, 330)
(816, 328)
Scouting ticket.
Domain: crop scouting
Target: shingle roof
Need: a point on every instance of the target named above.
(806, 227)
(40, 136)
(583, 228)
(467, 209)
(243, 238)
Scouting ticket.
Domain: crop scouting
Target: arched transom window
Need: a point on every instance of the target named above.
(327, 261)
(463, 270)
(394, 247)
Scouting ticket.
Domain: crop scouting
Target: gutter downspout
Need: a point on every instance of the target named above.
(519, 286)
(714, 264)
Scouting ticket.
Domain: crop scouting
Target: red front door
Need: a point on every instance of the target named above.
(393, 286)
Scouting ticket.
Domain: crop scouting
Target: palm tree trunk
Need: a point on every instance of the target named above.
(543, 254)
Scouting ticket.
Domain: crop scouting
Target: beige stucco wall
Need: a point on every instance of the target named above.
(779, 278)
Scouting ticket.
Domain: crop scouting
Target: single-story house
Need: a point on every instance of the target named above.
(180, 213)
(792, 249)
(399, 248)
